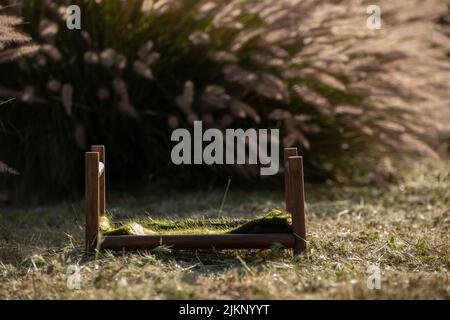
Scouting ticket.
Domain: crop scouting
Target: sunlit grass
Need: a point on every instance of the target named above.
(403, 229)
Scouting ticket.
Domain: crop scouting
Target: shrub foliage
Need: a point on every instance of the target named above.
(138, 69)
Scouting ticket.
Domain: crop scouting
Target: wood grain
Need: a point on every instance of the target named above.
(288, 152)
(101, 152)
(297, 203)
(222, 241)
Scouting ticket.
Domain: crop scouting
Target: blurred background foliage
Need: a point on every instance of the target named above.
(353, 100)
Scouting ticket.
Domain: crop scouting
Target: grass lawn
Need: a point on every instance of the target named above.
(405, 230)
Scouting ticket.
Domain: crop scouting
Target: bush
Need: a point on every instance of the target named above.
(139, 69)
(13, 45)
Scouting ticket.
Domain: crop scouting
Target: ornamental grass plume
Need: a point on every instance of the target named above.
(13, 45)
(351, 98)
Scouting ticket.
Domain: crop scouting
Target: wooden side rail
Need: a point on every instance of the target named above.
(294, 197)
(207, 241)
(102, 177)
(94, 193)
(296, 205)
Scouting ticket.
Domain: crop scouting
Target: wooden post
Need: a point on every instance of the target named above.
(92, 204)
(101, 152)
(297, 203)
(288, 152)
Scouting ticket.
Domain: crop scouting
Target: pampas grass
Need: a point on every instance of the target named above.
(348, 96)
(12, 46)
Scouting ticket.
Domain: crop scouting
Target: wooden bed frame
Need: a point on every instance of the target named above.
(95, 207)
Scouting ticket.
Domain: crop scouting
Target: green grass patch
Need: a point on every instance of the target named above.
(274, 221)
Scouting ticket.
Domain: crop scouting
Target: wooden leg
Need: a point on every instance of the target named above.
(297, 203)
(101, 152)
(92, 199)
(288, 152)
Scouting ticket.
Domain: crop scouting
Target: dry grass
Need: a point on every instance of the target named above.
(404, 230)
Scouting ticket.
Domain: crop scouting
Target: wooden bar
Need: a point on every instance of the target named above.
(102, 177)
(297, 203)
(91, 199)
(288, 152)
(210, 241)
